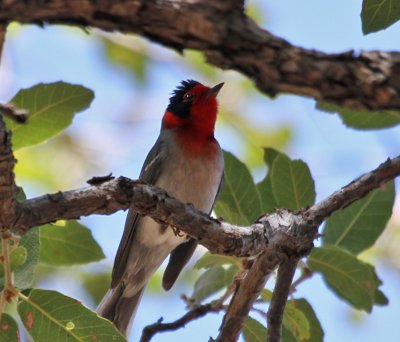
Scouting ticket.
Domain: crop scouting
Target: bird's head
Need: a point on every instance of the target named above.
(193, 107)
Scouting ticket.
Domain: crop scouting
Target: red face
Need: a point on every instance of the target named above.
(193, 108)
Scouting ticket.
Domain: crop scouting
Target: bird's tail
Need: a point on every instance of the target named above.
(119, 309)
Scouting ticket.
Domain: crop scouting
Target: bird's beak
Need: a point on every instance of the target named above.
(215, 90)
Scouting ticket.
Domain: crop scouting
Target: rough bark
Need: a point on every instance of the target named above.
(276, 308)
(231, 40)
(7, 184)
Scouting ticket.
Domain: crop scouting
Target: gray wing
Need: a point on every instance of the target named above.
(181, 254)
(150, 172)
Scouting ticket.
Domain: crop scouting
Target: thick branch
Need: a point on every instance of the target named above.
(7, 182)
(248, 291)
(276, 309)
(230, 40)
(218, 237)
(122, 193)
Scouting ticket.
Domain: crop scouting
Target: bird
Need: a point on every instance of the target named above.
(187, 162)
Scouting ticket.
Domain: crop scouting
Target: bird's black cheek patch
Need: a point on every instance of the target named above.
(181, 109)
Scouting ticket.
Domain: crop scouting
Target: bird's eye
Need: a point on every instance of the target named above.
(188, 97)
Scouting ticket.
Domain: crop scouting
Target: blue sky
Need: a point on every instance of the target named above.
(123, 123)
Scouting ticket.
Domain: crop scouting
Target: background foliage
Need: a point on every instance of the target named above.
(118, 129)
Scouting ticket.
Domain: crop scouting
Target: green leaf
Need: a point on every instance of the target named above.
(287, 335)
(358, 226)
(51, 109)
(266, 295)
(254, 331)
(212, 281)
(268, 200)
(49, 315)
(20, 194)
(97, 284)
(8, 329)
(131, 59)
(238, 202)
(316, 334)
(379, 297)
(24, 274)
(18, 257)
(347, 276)
(71, 244)
(296, 322)
(363, 119)
(292, 183)
(209, 260)
(377, 15)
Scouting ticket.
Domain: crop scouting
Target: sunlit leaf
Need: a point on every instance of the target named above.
(254, 331)
(379, 14)
(29, 249)
(51, 316)
(316, 334)
(358, 226)
(296, 321)
(363, 119)
(239, 202)
(8, 329)
(347, 276)
(212, 281)
(69, 244)
(51, 109)
(18, 257)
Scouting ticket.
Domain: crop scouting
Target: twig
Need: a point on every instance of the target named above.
(355, 190)
(8, 291)
(279, 297)
(196, 312)
(18, 115)
(306, 273)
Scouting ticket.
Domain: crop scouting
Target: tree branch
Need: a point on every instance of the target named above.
(231, 40)
(248, 291)
(276, 309)
(16, 114)
(218, 237)
(8, 188)
(353, 191)
(195, 313)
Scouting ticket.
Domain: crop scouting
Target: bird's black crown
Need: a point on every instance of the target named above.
(176, 104)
